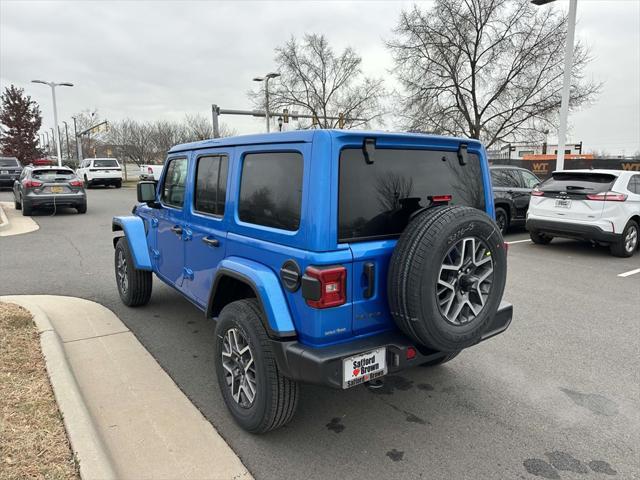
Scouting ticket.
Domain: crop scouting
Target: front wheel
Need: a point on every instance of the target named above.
(134, 286)
(540, 238)
(502, 220)
(628, 243)
(257, 395)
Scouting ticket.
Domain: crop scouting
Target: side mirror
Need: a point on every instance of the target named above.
(147, 193)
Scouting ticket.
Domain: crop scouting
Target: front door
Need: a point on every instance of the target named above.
(207, 224)
(171, 222)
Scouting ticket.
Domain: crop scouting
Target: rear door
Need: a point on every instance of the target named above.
(207, 225)
(566, 195)
(376, 202)
(171, 222)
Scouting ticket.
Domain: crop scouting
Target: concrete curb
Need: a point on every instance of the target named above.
(4, 221)
(86, 444)
(11, 223)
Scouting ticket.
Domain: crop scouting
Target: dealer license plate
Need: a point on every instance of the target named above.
(364, 367)
(4, 172)
(57, 189)
(563, 203)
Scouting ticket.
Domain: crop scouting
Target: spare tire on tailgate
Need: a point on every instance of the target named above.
(446, 277)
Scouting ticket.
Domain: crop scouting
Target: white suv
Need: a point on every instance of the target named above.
(100, 171)
(601, 206)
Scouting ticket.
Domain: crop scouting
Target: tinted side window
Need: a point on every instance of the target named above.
(211, 184)
(377, 200)
(529, 179)
(505, 177)
(271, 189)
(174, 182)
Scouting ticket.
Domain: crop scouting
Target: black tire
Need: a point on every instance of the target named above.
(432, 238)
(27, 209)
(276, 396)
(628, 243)
(17, 204)
(82, 208)
(540, 238)
(87, 183)
(118, 184)
(502, 220)
(137, 289)
(441, 360)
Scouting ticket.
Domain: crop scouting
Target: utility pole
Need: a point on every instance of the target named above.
(78, 141)
(266, 79)
(53, 86)
(66, 133)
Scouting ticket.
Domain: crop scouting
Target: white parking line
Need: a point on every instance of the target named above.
(629, 273)
(519, 241)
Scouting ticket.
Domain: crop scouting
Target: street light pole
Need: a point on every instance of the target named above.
(53, 86)
(66, 133)
(266, 79)
(78, 141)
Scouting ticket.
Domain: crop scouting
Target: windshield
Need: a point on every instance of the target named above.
(378, 199)
(578, 182)
(9, 162)
(49, 175)
(105, 163)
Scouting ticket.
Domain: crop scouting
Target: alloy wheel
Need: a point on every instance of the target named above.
(631, 239)
(465, 281)
(240, 370)
(121, 270)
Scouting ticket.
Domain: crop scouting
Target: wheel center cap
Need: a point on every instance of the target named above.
(468, 282)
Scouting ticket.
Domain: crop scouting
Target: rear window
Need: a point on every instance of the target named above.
(105, 163)
(8, 162)
(578, 182)
(52, 174)
(377, 200)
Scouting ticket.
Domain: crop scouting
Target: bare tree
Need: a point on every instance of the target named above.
(198, 127)
(317, 80)
(487, 69)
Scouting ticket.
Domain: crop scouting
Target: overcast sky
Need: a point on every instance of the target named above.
(163, 59)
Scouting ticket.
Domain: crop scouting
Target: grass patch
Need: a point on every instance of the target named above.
(33, 442)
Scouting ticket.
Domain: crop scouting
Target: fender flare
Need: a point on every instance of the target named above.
(134, 231)
(267, 289)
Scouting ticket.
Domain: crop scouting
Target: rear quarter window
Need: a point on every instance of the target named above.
(377, 200)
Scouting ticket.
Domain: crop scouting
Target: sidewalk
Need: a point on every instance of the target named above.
(147, 427)
(12, 222)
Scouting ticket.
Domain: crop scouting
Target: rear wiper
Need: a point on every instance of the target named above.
(577, 187)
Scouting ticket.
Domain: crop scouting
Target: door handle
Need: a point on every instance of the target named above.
(370, 274)
(177, 229)
(212, 242)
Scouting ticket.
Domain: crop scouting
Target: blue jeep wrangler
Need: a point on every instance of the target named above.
(326, 256)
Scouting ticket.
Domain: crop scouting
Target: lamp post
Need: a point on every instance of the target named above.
(266, 79)
(566, 80)
(78, 141)
(66, 133)
(53, 86)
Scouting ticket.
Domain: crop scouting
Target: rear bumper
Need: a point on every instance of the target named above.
(8, 181)
(323, 366)
(103, 180)
(578, 231)
(57, 200)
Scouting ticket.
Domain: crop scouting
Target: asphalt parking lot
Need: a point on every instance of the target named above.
(557, 396)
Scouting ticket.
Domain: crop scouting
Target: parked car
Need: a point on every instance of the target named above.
(326, 257)
(100, 171)
(10, 169)
(512, 188)
(151, 172)
(48, 187)
(600, 206)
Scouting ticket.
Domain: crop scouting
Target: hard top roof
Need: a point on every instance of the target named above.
(304, 136)
(617, 173)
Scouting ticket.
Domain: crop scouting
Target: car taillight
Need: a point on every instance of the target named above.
(149, 170)
(324, 287)
(607, 197)
(32, 183)
(75, 183)
(536, 192)
(440, 198)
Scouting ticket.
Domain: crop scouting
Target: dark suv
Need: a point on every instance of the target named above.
(10, 169)
(325, 256)
(512, 188)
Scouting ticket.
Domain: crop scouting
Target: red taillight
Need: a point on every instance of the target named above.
(440, 198)
(75, 183)
(607, 197)
(324, 287)
(149, 170)
(411, 353)
(32, 183)
(536, 192)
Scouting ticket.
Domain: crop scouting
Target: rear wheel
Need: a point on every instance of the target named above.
(82, 208)
(540, 238)
(27, 209)
(258, 396)
(87, 183)
(17, 204)
(628, 243)
(118, 184)
(502, 219)
(134, 286)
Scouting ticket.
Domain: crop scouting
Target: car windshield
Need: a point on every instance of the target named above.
(8, 162)
(578, 181)
(52, 174)
(378, 199)
(105, 163)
